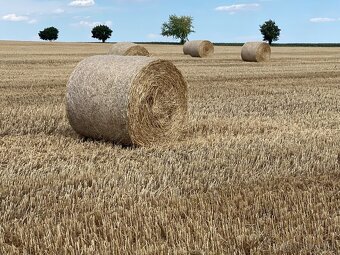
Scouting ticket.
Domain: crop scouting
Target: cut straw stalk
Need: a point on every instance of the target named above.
(199, 48)
(255, 52)
(127, 100)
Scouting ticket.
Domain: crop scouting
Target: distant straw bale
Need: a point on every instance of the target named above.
(128, 100)
(128, 49)
(255, 52)
(199, 48)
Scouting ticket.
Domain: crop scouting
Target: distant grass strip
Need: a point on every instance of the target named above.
(273, 45)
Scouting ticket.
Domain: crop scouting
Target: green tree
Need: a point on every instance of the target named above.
(49, 34)
(270, 31)
(178, 27)
(101, 32)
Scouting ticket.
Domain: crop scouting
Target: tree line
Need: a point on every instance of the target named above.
(100, 32)
(178, 27)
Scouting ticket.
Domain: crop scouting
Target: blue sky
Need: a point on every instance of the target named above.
(141, 20)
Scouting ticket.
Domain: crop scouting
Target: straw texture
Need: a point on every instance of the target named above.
(255, 52)
(199, 48)
(128, 49)
(127, 100)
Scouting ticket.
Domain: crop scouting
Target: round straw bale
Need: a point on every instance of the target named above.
(255, 52)
(198, 48)
(128, 49)
(127, 100)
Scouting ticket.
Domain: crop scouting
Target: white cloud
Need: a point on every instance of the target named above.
(153, 36)
(91, 24)
(17, 18)
(82, 3)
(32, 21)
(132, 1)
(81, 17)
(108, 23)
(14, 17)
(237, 7)
(58, 11)
(85, 23)
(322, 20)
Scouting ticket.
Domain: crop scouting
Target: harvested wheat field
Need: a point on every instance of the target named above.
(258, 171)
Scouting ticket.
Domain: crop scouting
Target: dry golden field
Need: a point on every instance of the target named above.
(258, 172)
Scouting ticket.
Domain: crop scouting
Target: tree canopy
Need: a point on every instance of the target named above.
(178, 27)
(270, 31)
(49, 34)
(101, 32)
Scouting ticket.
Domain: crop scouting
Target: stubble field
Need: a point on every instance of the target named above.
(258, 171)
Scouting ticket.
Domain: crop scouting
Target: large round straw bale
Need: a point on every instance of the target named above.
(128, 100)
(256, 52)
(198, 48)
(128, 49)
